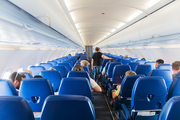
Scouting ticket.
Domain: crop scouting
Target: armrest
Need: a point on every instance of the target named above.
(126, 112)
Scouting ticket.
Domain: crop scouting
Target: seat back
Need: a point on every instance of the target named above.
(78, 74)
(86, 69)
(68, 66)
(7, 88)
(127, 58)
(54, 77)
(75, 86)
(134, 59)
(104, 62)
(62, 70)
(143, 69)
(165, 73)
(119, 72)
(68, 107)
(54, 63)
(46, 65)
(78, 62)
(174, 88)
(35, 91)
(170, 110)
(119, 60)
(133, 65)
(106, 67)
(152, 63)
(141, 61)
(111, 67)
(165, 66)
(15, 108)
(36, 70)
(125, 62)
(28, 75)
(149, 93)
(70, 62)
(127, 85)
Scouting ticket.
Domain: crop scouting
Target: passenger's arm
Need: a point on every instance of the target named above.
(95, 86)
(113, 94)
(105, 57)
(92, 62)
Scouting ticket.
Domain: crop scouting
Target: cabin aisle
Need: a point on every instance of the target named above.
(101, 108)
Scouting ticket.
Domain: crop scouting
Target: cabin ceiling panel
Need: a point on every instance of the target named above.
(109, 16)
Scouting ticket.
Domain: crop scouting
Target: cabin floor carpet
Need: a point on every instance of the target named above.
(102, 111)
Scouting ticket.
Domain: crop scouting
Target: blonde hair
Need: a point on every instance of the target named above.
(130, 73)
(28, 71)
(84, 63)
(126, 56)
(78, 68)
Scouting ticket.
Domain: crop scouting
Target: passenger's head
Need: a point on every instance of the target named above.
(126, 56)
(28, 71)
(84, 63)
(23, 76)
(38, 76)
(176, 67)
(78, 68)
(143, 59)
(97, 49)
(51, 69)
(130, 73)
(16, 79)
(111, 60)
(159, 61)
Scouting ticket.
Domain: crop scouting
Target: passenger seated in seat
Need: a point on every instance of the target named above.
(86, 63)
(38, 76)
(143, 59)
(176, 69)
(103, 71)
(16, 79)
(28, 71)
(23, 76)
(126, 56)
(94, 85)
(115, 93)
(159, 61)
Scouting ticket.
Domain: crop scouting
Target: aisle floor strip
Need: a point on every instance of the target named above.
(109, 108)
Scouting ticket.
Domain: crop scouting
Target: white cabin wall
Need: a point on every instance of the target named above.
(13, 59)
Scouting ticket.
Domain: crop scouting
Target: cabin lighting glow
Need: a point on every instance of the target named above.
(6, 75)
(171, 46)
(153, 2)
(113, 30)
(108, 34)
(134, 15)
(67, 2)
(20, 69)
(152, 47)
(72, 16)
(120, 25)
(76, 25)
(138, 47)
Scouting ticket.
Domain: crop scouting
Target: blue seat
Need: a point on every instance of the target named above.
(126, 89)
(119, 72)
(75, 86)
(62, 70)
(152, 63)
(106, 67)
(78, 62)
(148, 94)
(165, 66)
(134, 59)
(125, 62)
(7, 88)
(174, 88)
(133, 65)
(35, 91)
(54, 77)
(15, 108)
(78, 74)
(141, 61)
(36, 70)
(46, 65)
(68, 107)
(128, 58)
(68, 66)
(111, 67)
(170, 110)
(86, 69)
(54, 63)
(119, 60)
(70, 62)
(143, 69)
(28, 75)
(165, 73)
(104, 62)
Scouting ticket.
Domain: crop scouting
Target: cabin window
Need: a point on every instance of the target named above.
(6, 75)
(20, 69)
(37, 64)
